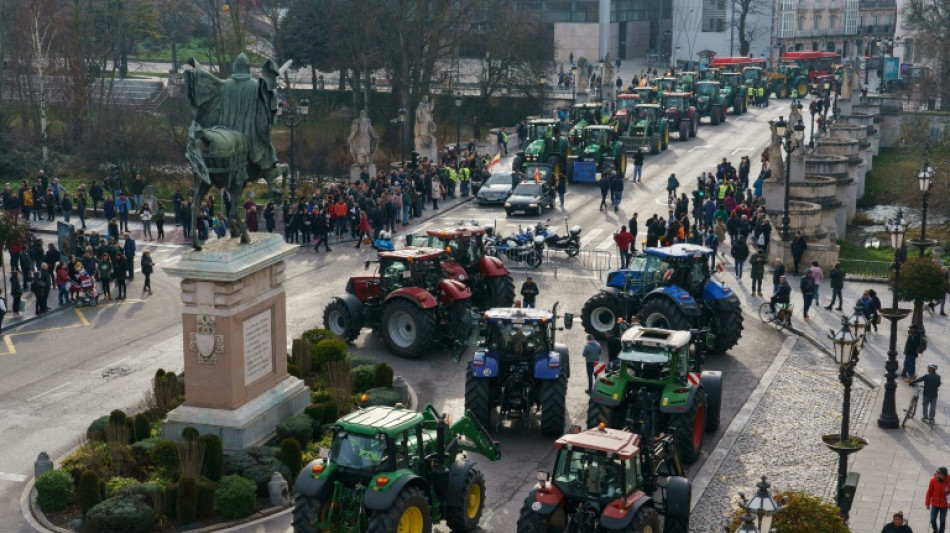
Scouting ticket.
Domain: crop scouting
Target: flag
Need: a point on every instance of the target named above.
(719, 267)
(537, 174)
(494, 160)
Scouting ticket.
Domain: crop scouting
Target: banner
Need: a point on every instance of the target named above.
(65, 241)
(891, 68)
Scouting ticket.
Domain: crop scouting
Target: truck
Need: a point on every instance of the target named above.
(648, 128)
(519, 367)
(668, 287)
(659, 383)
(709, 102)
(392, 470)
(545, 144)
(601, 151)
(409, 302)
(681, 114)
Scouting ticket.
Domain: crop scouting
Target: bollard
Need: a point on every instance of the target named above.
(42, 464)
(402, 388)
(278, 490)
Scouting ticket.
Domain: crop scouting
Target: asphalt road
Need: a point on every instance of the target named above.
(71, 367)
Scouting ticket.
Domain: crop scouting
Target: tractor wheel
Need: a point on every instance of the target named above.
(684, 130)
(679, 493)
(658, 146)
(533, 259)
(338, 319)
(645, 521)
(611, 416)
(573, 249)
(727, 328)
(407, 328)
(570, 170)
(410, 513)
(553, 399)
(517, 164)
(532, 522)
(714, 115)
(555, 163)
(600, 315)
(478, 397)
(781, 92)
(712, 385)
(663, 313)
(306, 511)
(501, 291)
(694, 125)
(802, 89)
(690, 428)
(464, 518)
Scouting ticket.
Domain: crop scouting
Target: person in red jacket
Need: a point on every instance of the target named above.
(623, 238)
(936, 499)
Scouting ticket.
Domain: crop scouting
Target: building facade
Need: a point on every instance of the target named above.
(852, 28)
(700, 25)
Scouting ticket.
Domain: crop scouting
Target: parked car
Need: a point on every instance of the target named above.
(530, 198)
(496, 189)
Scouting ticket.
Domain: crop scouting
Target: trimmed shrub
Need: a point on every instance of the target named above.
(89, 456)
(803, 513)
(118, 416)
(256, 463)
(189, 433)
(140, 451)
(97, 430)
(214, 457)
(170, 501)
(54, 490)
(356, 361)
(383, 375)
(235, 497)
(382, 396)
(122, 514)
(88, 491)
(143, 430)
(291, 457)
(205, 500)
(300, 355)
(294, 371)
(186, 503)
(164, 456)
(328, 350)
(323, 413)
(314, 336)
(362, 377)
(299, 427)
(116, 484)
(321, 395)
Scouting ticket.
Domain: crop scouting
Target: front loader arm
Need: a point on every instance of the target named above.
(475, 438)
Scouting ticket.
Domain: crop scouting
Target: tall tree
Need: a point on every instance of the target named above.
(748, 23)
(928, 22)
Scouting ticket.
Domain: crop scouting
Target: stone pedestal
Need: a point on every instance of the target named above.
(355, 172)
(426, 147)
(234, 329)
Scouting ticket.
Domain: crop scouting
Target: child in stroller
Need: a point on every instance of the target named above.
(84, 290)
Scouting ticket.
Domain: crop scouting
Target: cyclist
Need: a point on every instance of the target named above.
(782, 294)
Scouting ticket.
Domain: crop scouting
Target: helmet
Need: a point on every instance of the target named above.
(539, 240)
(931, 366)
(575, 230)
(489, 230)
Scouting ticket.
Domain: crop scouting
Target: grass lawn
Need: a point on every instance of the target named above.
(850, 250)
(196, 47)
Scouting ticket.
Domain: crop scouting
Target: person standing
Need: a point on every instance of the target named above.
(875, 308)
(561, 187)
(807, 285)
(836, 276)
(816, 275)
(936, 499)
(435, 191)
(638, 166)
(931, 381)
(529, 292)
(321, 230)
(160, 221)
(671, 185)
(897, 524)
(758, 261)
(148, 266)
(712, 242)
(16, 290)
(270, 217)
(911, 347)
(62, 283)
(120, 272)
(616, 189)
(623, 240)
(799, 244)
(604, 190)
(122, 206)
(632, 228)
(145, 214)
(614, 347)
(129, 256)
(40, 289)
(591, 357)
(740, 252)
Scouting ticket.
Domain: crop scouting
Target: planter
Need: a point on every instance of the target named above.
(854, 443)
(891, 313)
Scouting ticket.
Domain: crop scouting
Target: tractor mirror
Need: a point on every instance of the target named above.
(568, 320)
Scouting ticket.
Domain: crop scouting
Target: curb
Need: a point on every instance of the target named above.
(34, 318)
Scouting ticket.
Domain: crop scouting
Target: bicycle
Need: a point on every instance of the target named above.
(912, 408)
(781, 318)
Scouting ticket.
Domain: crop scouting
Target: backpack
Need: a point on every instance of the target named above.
(922, 345)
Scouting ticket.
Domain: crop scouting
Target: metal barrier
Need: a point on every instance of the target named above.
(870, 269)
(597, 261)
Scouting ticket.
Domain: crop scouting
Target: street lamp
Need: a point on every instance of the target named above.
(925, 178)
(458, 128)
(791, 141)
(761, 506)
(298, 114)
(402, 135)
(543, 81)
(845, 344)
(896, 228)
(573, 84)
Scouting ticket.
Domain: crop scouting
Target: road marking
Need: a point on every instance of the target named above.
(586, 239)
(18, 478)
(110, 365)
(701, 147)
(11, 350)
(82, 317)
(737, 150)
(49, 391)
(606, 243)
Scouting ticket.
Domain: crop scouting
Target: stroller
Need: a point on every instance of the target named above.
(83, 290)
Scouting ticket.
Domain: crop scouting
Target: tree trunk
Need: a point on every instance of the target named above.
(174, 55)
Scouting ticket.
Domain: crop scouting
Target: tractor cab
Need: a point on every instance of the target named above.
(710, 74)
(646, 112)
(410, 267)
(624, 104)
(732, 79)
(461, 244)
(707, 88)
(656, 355)
(597, 138)
(518, 332)
(686, 80)
(753, 75)
(597, 467)
(682, 265)
(545, 145)
(588, 113)
(676, 103)
(647, 94)
(667, 84)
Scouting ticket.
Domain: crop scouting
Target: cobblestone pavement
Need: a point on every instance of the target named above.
(782, 437)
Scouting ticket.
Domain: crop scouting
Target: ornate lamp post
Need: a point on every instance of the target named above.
(791, 141)
(573, 84)
(543, 81)
(402, 135)
(896, 228)
(761, 506)
(298, 114)
(458, 128)
(925, 179)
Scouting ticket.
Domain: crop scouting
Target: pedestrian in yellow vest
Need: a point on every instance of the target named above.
(760, 96)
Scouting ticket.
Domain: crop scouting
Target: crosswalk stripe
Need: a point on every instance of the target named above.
(587, 239)
(606, 243)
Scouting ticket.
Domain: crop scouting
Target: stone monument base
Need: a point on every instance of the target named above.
(251, 424)
(825, 253)
(355, 172)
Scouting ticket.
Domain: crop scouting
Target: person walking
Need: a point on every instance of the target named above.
(160, 221)
(817, 275)
(671, 185)
(911, 351)
(16, 290)
(897, 524)
(321, 230)
(931, 381)
(836, 277)
(148, 266)
(758, 261)
(529, 292)
(740, 252)
(591, 357)
(363, 229)
(936, 499)
(875, 308)
(807, 286)
(604, 190)
(623, 238)
(129, 246)
(145, 214)
(712, 242)
(62, 283)
(638, 166)
(616, 189)
(799, 244)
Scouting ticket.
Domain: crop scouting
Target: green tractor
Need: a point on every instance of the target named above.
(666, 85)
(685, 81)
(735, 92)
(659, 386)
(582, 115)
(545, 145)
(709, 102)
(390, 469)
(648, 128)
(600, 152)
(710, 74)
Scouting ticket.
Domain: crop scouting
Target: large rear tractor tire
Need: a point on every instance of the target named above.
(645, 521)
(410, 513)
(532, 522)
(338, 319)
(598, 412)
(781, 92)
(553, 404)
(727, 327)
(714, 115)
(600, 314)
(464, 518)
(500, 291)
(664, 314)
(690, 428)
(712, 386)
(478, 397)
(694, 125)
(621, 159)
(306, 511)
(679, 493)
(684, 130)
(666, 136)
(802, 89)
(407, 328)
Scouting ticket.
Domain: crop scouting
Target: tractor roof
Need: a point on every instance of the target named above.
(599, 127)
(380, 419)
(462, 230)
(655, 106)
(679, 251)
(656, 337)
(544, 121)
(518, 315)
(622, 443)
(628, 96)
(683, 94)
(412, 254)
(707, 82)
(586, 105)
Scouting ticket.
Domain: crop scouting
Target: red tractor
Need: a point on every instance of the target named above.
(464, 260)
(410, 303)
(681, 114)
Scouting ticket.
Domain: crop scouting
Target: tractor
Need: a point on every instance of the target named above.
(685, 81)
(391, 469)
(610, 480)
(666, 85)
(735, 93)
(790, 79)
(659, 384)
(681, 115)
(600, 152)
(518, 366)
(464, 259)
(582, 115)
(710, 74)
(648, 129)
(545, 145)
(709, 102)
(668, 288)
(410, 303)
(625, 103)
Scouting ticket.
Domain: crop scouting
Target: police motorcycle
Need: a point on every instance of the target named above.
(571, 243)
(521, 247)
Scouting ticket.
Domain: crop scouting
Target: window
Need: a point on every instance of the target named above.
(832, 21)
(801, 22)
(788, 20)
(714, 16)
(817, 21)
(877, 20)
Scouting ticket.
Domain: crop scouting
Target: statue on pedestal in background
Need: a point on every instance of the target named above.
(425, 130)
(363, 140)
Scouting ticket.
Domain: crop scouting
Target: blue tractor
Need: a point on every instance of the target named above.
(517, 366)
(667, 288)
